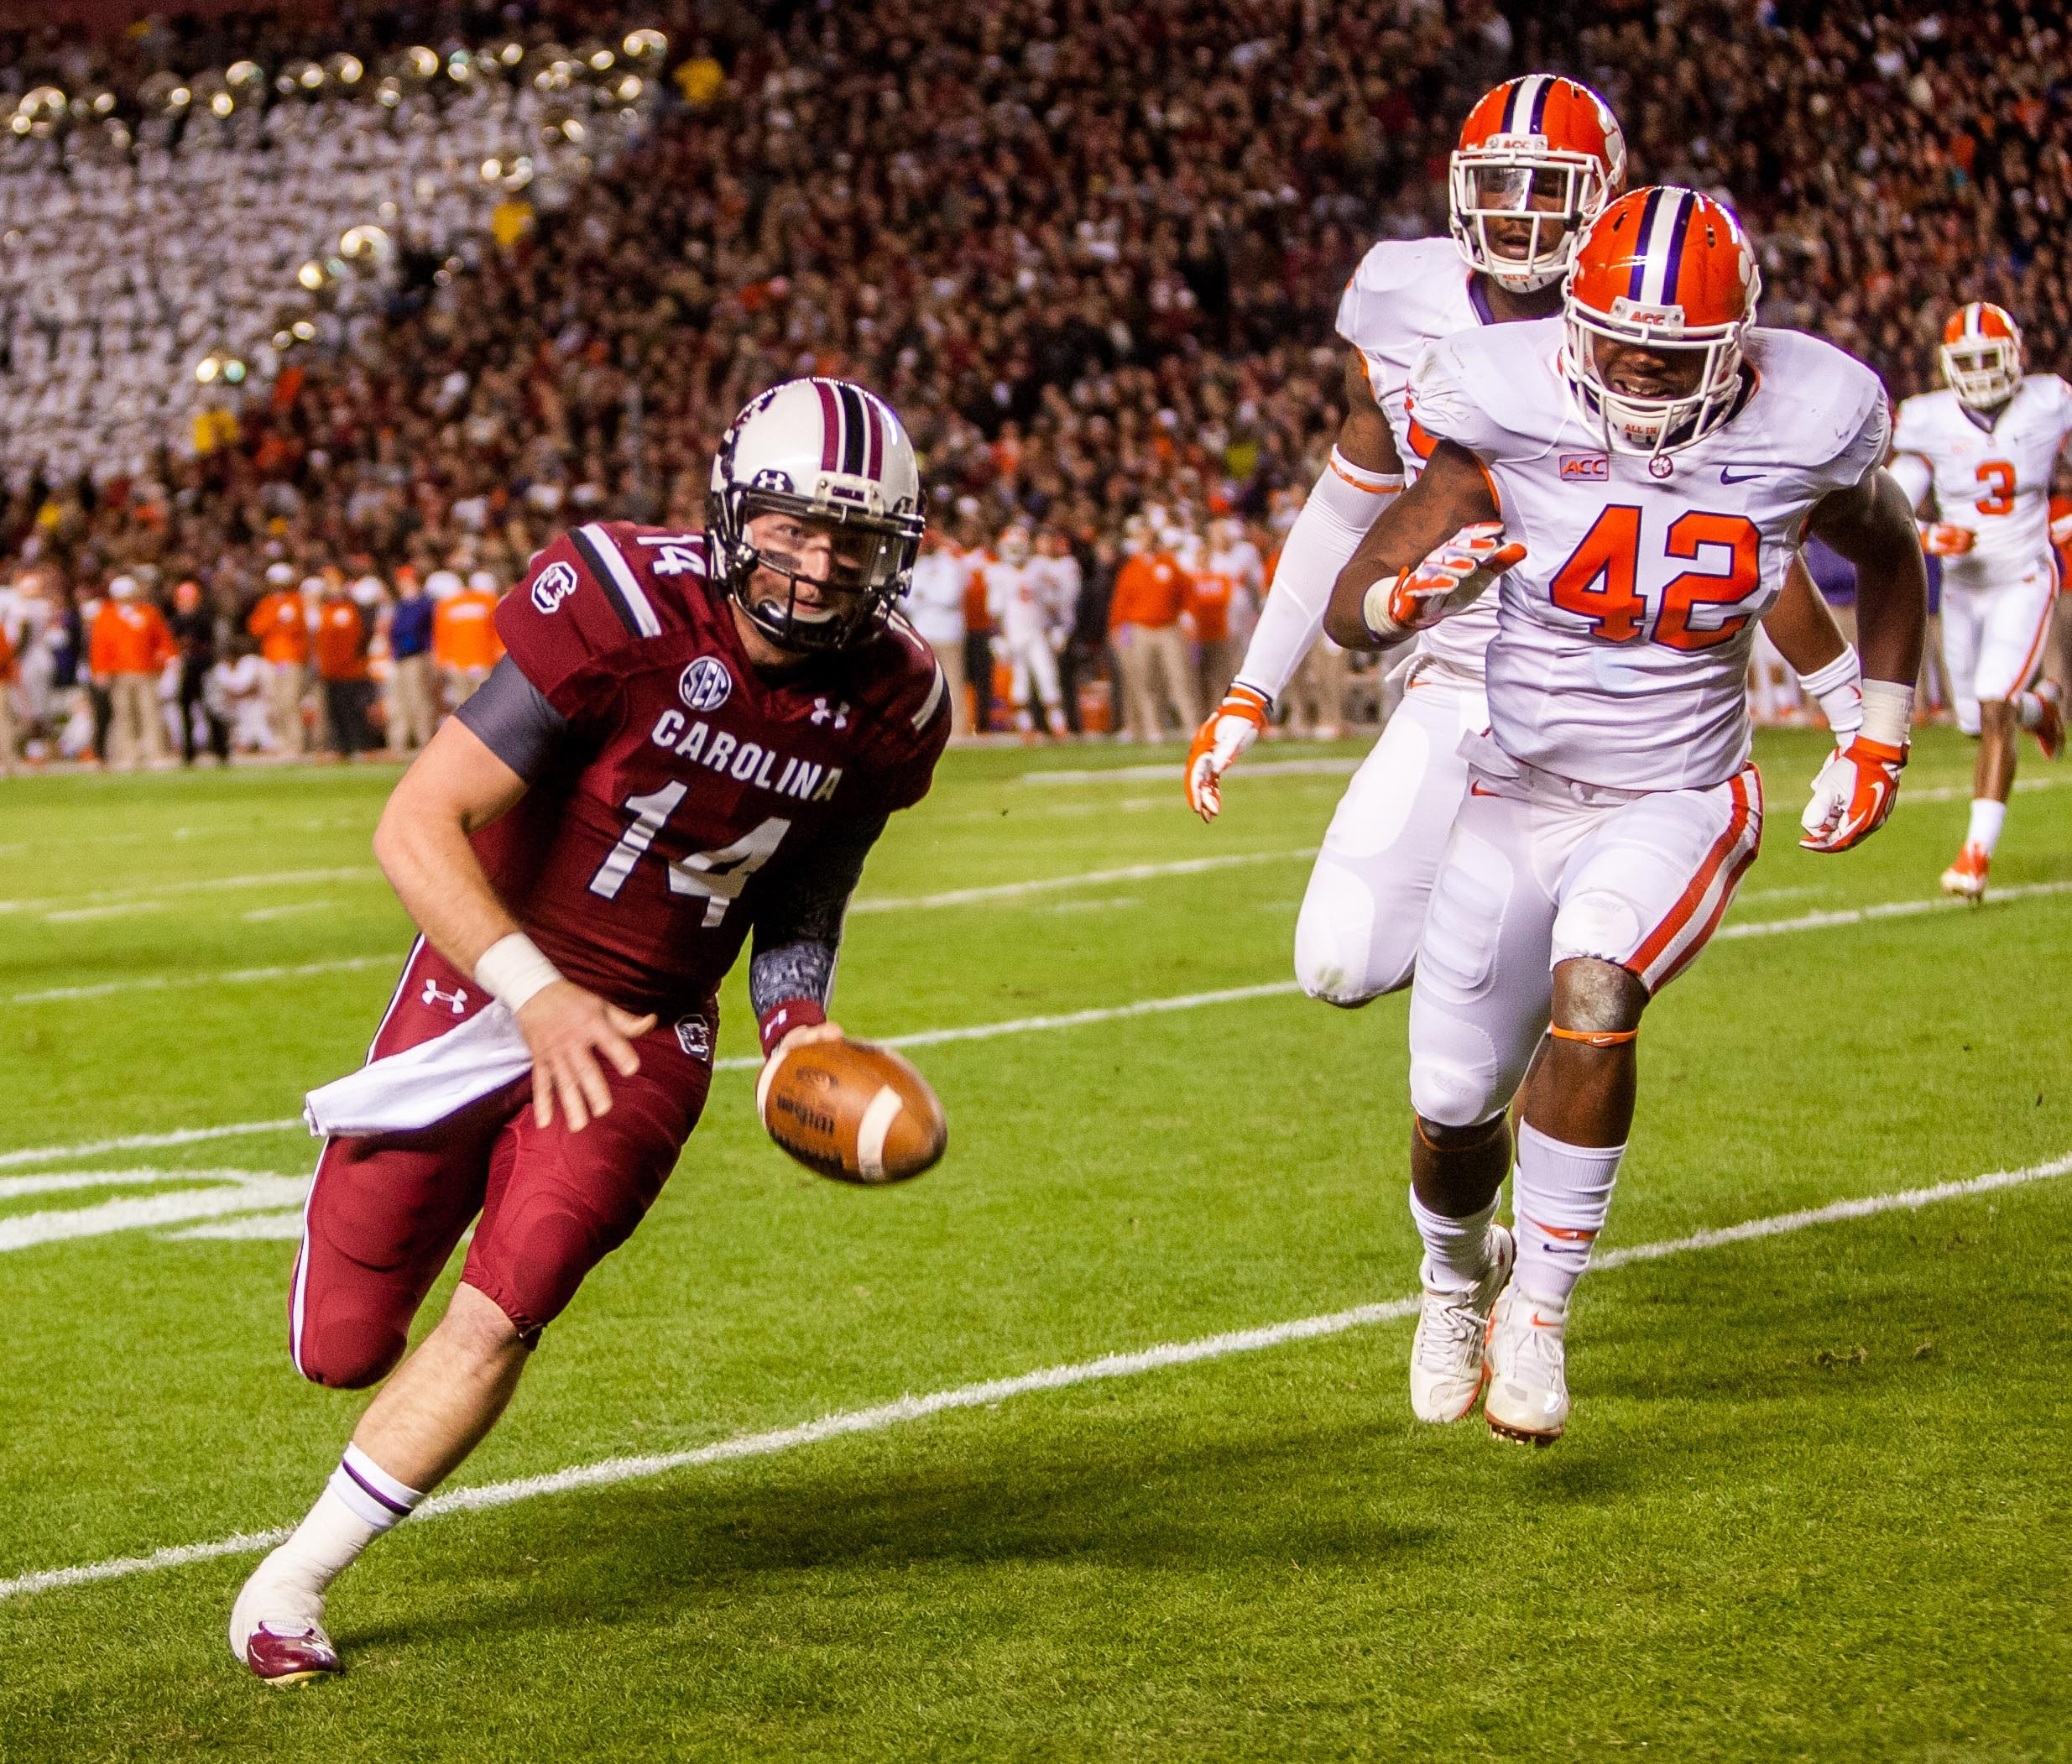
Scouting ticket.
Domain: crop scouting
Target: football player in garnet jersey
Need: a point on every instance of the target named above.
(1984, 447)
(1635, 476)
(692, 739)
(1539, 157)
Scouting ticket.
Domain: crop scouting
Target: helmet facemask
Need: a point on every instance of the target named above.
(1554, 194)
(871, 559)
(1984, 371)
(1652, 424)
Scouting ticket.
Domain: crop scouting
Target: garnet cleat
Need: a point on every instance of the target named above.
(1528, 1379)
(1966, 877)
(1447, 1360)
(291, 1657)
(2049, 730)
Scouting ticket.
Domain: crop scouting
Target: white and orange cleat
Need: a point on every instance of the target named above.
(1966, 877)
(2049, 730)
(1528, 1377)
(1447, 1360)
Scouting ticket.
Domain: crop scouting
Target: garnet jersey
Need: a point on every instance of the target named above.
(685, 783)
(1623, 639)
(1406, 293)
(1994, 480)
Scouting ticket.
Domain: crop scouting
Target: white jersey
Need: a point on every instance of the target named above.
(1057, 584)
(1018, 611)
(1623, 639)
(1994, 481)
(935, 601)
(1406, 293)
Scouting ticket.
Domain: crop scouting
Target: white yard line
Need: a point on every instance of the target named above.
(1320, 768)
(1962, 792)
(229, 976)
(22, 1230)
(1162, 1358)
(203, 884)
(1068, 1020)
(14, 1187)
(89, 915)
(1085, 878)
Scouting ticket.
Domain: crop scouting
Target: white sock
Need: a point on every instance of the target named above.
(2028, 710)
(1987, 818)
(1560, 1196)
(360, 1502)
(1456, 1251)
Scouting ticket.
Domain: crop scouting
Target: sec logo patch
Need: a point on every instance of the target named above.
(552, 586)
(705, 684)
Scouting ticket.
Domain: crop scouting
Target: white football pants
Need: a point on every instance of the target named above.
(1541, 870)
(1994, 639)
(1363, 913)
(1034, 662)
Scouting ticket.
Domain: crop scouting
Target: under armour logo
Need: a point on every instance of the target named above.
(456, 1000)
(822, 713)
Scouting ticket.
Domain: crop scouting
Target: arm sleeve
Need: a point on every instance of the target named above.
(798, 930)
(1321, 543)
(1911, 473)
(513, 719)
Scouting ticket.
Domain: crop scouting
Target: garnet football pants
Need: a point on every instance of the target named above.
(385, 1212)
(1363, 914)
(1540, 871)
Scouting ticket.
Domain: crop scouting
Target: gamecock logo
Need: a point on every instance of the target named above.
(705, 684)
(552, 586)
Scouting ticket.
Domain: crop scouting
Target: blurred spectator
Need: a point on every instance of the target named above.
(464, 642)
(412, 703)
(127, 652)
(281, 626)
(342, 633)
(1060, 585)
(193, 627)
(1143, 618)
(935, 605)
(10, 674)
(236, 694)
(977, 626)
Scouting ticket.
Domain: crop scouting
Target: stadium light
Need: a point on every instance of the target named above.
(303, 331)
(207, 369)
(311, 275)
(233, 372)
(647, 43)
(240, 73)
(422, 62)
(346, 70)
(492, 170)
(179, 98)
(222, 104)
(511, 54)
(103, 102)
(602, 59)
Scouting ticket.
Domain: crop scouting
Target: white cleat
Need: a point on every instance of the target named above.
(1447, 1361)
(277, 1629)
(1528, 1379)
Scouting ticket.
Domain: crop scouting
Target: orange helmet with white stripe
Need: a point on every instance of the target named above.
(1539, 157)
(1982, 355)
(1671, 272)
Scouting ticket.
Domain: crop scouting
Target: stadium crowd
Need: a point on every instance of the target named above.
(1090, 251)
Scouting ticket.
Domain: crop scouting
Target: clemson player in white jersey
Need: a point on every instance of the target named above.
(1637, 476)
(1984, 447)
(1025, 620)
(1539, 157)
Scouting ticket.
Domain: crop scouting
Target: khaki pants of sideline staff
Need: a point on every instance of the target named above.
(284, 705)
(136, 734)
(1156, 668)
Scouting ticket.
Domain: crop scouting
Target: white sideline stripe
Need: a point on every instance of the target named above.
(26, 1230)
(229, 976)
(1174, 774)
(281, 1226)
(205, 884)
(613, 1470)
(1068, 1020)
(14, 1187)
(1962, 792)
(1085, 878)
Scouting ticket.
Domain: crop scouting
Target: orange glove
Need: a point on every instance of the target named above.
(1451, 577)
(1853, 795)
(1938, 539)
(1231, 727)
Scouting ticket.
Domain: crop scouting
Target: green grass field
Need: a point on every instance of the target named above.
(1813, 1504)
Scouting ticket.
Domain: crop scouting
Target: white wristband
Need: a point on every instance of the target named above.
(512, 970)
(1888, 712)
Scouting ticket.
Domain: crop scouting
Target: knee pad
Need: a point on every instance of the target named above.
(1597, 923)
(349, 1353)
(1336, 938)
(1457, 1085)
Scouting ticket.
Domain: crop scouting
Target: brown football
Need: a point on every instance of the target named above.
(851, 1110)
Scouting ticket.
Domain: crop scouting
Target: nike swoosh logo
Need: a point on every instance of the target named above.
(1731, 478)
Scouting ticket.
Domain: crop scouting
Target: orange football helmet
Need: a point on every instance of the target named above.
(1671, 270)
(1982, 355)
(1539, 137)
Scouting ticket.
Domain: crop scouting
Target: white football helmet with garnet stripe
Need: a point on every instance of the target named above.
(823, 450)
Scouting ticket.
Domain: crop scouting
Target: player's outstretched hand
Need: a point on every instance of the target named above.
(1453, 577)
(1854, 793)
(566, 1029)
(1231, 727)
(1939, 539)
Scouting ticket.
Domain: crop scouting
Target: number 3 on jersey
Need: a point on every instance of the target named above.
(717, 875)
(1600, 580)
